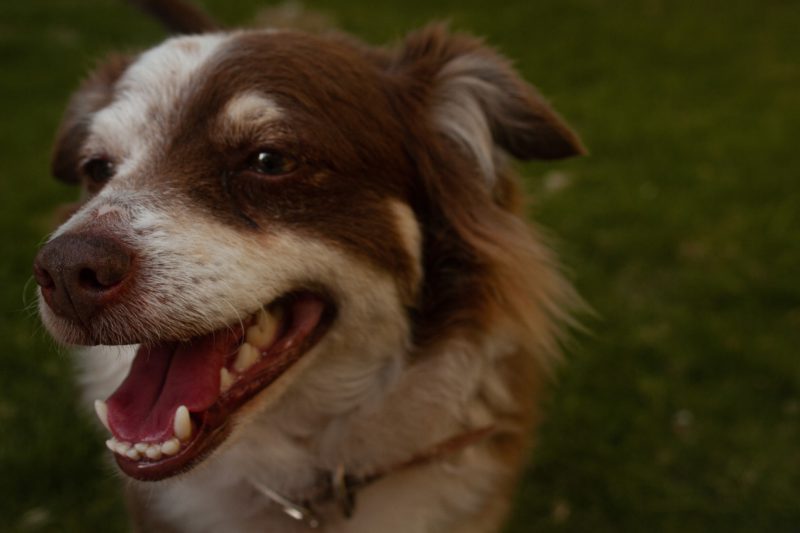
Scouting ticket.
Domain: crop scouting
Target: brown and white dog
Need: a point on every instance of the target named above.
(300, 273)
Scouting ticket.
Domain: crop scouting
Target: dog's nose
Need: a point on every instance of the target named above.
(80, 274)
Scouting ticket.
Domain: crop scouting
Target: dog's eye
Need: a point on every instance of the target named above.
(271, 163)
(98, 170)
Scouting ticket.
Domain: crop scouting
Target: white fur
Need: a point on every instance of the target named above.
(131, 129)
(461, 110)
(251, 107)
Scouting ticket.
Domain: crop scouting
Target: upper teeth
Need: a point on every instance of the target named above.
(259, 336)
(247, 356)
(226, 379)
(263, 331)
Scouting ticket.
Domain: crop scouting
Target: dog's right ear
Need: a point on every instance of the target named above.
(93, 95)
(478, 100)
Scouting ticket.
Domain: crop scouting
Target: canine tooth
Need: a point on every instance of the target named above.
(255, 336)
(153, 452)
(182, 424)
(141, 447)
(111, 444)
(263, 332)
(101, 409)
(171, 447)
(225, 380)
(247, 356)
(132, 454)
(268, 320)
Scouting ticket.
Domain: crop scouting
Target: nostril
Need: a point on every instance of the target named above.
(43, 277)
(87, 279)
(103, 276)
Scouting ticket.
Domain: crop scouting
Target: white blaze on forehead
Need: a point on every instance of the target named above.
(247, 114)
(251, 107)
(147, 96)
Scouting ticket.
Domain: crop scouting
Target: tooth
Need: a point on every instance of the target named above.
(171, 447)
(132, 454)
(255, 336)
(111, 444)
(248, 355)
(182, 424)
(101, 409)
(141, 447)
(122, 447)
(153, 452)
(225, 379)
(268, 321)
(263, 332)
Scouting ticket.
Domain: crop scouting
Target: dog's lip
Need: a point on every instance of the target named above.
(213, 425)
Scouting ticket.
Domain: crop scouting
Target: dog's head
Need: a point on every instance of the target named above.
(267, 212)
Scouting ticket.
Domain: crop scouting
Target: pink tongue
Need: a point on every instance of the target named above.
(164, 377)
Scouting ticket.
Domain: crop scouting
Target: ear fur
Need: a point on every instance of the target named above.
(94, 94)
(481, 103)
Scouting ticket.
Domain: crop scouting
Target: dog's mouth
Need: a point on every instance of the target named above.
(179, 400)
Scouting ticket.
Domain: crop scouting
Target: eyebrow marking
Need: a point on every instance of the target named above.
(251, 107)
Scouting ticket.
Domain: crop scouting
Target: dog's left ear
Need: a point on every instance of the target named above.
(478, 100)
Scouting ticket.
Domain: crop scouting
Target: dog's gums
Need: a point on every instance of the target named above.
(178, 401)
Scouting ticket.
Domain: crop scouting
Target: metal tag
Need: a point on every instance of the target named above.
(294, 510)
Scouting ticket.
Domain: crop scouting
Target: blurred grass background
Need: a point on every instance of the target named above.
(679, 412)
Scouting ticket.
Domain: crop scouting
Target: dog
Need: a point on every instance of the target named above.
(299, 281)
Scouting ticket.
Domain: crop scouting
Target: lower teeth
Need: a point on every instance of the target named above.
(140, 450)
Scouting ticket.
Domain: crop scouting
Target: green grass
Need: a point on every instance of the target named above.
(680, 412)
